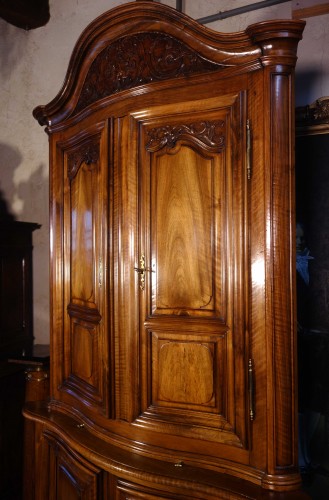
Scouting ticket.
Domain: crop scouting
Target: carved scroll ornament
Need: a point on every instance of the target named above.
(210, 134)
(87, 153)
(139, 59)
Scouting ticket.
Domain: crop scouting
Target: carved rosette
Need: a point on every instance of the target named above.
(87, 153)
(209, 134)
(136, 60)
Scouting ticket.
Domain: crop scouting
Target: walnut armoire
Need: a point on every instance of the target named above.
(173, 348)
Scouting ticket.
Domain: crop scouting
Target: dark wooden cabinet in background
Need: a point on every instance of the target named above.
(12, 397)
(173, 340)
(16, 339)
(16, 300)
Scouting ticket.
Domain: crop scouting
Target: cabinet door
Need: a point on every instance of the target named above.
(192, 269)
(80, 237)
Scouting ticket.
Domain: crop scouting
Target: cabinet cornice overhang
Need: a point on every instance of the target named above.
(134, 25)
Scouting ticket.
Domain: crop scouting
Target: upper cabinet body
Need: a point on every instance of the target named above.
(172, 259)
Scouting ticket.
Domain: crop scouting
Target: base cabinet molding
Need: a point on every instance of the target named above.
(76, 463)
(173, 338)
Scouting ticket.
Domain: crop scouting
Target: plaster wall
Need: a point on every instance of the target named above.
(312, 70)
(33, 65)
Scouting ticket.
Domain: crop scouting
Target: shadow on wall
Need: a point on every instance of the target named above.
(10, 159)
(5, 214)
(25, 196)
(31, 195)
(12, 48)
(306, 83)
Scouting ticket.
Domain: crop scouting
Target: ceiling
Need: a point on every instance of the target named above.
(25, 14)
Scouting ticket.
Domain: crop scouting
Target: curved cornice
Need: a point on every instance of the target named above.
(156, 43)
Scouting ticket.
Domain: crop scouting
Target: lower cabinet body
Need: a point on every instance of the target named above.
(65, 460)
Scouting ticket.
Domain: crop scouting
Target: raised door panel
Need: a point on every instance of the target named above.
(192, 271)
(82, 260)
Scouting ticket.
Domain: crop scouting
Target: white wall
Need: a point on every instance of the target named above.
(33, 66)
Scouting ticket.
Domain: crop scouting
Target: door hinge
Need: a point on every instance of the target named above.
(251, 390)
(248, 151)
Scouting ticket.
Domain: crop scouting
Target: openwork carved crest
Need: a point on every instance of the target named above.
(139, 59)
(209, 134)
(87, 153)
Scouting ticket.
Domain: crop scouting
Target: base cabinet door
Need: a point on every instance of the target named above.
(70, 476)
